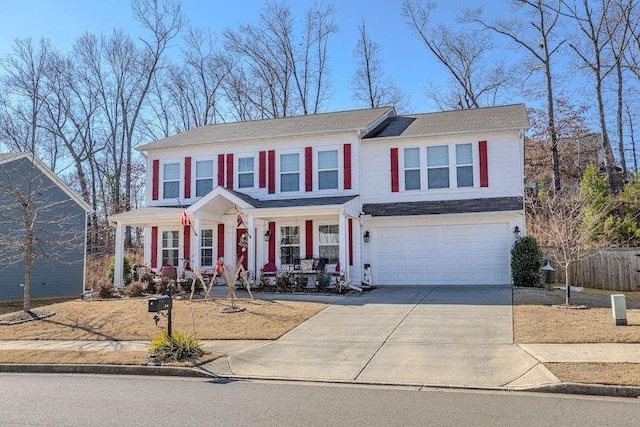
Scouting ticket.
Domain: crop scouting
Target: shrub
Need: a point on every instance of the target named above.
(526, 262)
(134, 289)
(179, 347)
(104, 289)
(127, 275)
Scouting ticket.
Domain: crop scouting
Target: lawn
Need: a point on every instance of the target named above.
(128, 319)
(536, 320)
(627, 374)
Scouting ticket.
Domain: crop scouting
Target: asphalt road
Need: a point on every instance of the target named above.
(93, 400)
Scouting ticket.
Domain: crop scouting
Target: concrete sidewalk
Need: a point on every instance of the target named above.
(436, 336)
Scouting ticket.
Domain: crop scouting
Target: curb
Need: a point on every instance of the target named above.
(175, 371)
(588, 389)
(166, 371)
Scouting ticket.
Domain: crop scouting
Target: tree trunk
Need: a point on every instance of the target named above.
(26, 300)
(606, 145)
(557, 183)
(623, 161)
(567, 282)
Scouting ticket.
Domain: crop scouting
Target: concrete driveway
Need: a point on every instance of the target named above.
(453, 336)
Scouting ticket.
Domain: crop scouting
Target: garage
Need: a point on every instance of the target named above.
(462, 254)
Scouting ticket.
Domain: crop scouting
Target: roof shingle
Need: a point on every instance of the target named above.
(343, 121)
(457, 121)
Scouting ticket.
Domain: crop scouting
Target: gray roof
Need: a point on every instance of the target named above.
(289, 203)
(343, 121)
(496, 204)
(452, 122)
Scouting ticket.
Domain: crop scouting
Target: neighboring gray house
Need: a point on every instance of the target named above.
(30, 193)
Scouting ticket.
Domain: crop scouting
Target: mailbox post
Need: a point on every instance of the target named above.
(162, 303)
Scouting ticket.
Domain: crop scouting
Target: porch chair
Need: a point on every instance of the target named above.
(269, 275)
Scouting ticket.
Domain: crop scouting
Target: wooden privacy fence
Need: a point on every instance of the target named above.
(616, 269)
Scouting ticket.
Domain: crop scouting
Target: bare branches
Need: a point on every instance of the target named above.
(475, 82)
(369, 85)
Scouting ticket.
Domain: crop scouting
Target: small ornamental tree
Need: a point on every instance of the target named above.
(526, 262)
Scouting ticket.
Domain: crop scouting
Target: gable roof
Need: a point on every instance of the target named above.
(343, 121)
(484, 119)
(11, 157)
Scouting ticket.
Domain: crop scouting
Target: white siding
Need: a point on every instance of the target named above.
(252, 148)
(504, 153)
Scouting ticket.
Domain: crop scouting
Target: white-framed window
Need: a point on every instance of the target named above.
(464, 165)
(411, 168)
(245, 172)
(206, 248)
(290, 172)
(438, 166)
(329, 243)
(170, 244)
(204, 177)
(289, 244)
(171, 180)
(327, 169)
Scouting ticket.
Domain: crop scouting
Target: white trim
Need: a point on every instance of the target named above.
(8, 158)
(217, 191)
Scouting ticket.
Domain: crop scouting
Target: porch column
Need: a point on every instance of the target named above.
(197, 226)
(118, 271)
(342, 237)
(251, 248)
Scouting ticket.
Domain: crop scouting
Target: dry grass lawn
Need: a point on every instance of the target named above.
(597, 373)
(535, 320)
(12, 306)
(128, 319)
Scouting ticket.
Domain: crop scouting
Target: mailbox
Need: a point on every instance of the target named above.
(159, 303)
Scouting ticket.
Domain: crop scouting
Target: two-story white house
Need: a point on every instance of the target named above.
(426, 199)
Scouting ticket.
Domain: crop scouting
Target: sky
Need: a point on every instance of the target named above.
(404, 57)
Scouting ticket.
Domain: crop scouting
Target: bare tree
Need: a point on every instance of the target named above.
(591, 21)
(540, 40)
(36, 223)
(369, 85)
(619, 26)
(290, 72)
(25, 91)
(559, 220)
(475, 82)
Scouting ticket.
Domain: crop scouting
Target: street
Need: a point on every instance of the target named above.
(94, 400)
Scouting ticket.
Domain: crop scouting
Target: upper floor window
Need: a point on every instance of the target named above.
(290, 172)
(327, 169)
(204, 177)
(438, 166)
(245, 172)
(411, 168)
(464, 165)
(171, 181)
(289, 244)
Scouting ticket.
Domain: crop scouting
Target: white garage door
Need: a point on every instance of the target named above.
(474, 254)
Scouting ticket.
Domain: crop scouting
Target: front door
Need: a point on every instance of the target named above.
(242, 248)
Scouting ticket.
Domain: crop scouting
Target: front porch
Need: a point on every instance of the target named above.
(231, 225)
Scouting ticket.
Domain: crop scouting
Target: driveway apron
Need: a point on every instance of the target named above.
(455, 336)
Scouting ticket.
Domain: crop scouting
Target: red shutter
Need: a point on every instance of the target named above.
(308, 169)
(220, 240)
(154, 247)
(272, 171)
(272, 242)
(262, 169)
(156, 179)
(350, 241)
(484, 169)
(309, 238)
(395, 180)
(230, 171)
(221, 170)
(347, 166)
(186, 242)
(187, 179)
